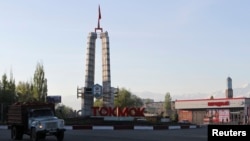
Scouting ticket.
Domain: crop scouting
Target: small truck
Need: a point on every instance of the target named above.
(35, 119)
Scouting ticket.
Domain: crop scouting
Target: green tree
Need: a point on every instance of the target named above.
(148, 100)
(25, 92)
(167, 104)
(63, 111)
(7, 90)
(126, 99)
(174, 116)
(7, 95)
(98, 103)
(40, 83)
(136, 100)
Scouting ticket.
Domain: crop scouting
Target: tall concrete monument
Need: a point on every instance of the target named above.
(91, 90)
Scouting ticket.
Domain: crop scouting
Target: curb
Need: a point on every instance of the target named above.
(131, 127)
(124, 127)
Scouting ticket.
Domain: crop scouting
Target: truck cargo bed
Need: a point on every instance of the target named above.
(18, 112)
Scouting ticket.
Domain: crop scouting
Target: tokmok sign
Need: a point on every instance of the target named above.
(117, 111)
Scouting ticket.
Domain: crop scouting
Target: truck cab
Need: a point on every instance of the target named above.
(43, 122)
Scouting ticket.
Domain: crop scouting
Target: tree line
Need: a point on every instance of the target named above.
(24, 91)
(35, 90)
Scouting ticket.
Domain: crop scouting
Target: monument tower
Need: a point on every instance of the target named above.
(87, 93)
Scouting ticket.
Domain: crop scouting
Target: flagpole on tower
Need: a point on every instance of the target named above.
(99, 18)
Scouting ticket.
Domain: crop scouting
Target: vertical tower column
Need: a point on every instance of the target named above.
(229, 90)
(87, 99)
(108, 98)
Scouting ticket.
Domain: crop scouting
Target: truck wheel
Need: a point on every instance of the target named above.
(13, 133)
(16, 133)
(60, 136)
(33, 135)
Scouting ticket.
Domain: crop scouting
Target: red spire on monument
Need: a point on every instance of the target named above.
(99, 18)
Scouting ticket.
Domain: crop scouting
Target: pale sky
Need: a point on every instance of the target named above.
(180, 46)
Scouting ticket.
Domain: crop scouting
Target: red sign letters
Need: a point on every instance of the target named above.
(126, 112)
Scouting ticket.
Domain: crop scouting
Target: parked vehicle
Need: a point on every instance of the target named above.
(37, 120)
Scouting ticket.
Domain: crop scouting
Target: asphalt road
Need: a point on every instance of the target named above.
(197, 134)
